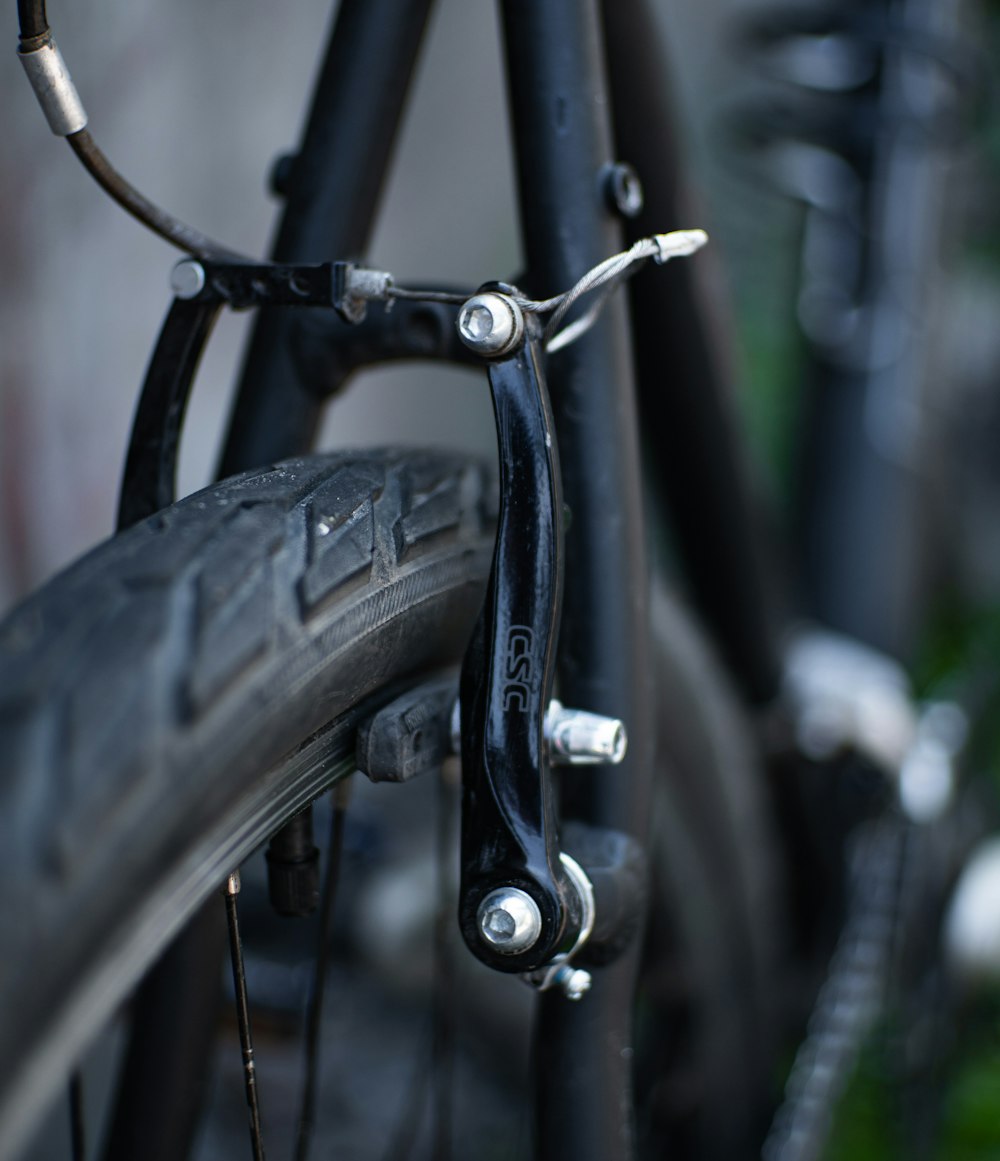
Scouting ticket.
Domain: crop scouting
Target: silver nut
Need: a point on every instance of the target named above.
(491, 324)
(509, 920)
(579, 738)
(187, 279)
(574, 983)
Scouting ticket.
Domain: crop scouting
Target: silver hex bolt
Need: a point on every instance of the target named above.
(509, 920)
(491, 324)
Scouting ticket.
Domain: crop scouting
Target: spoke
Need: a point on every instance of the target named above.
(443, 995)
(231, 890)
(76, 1120)
(339, 798)
(404, 1135)
(439, 1042)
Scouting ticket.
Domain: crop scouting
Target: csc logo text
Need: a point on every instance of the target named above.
(518, 668)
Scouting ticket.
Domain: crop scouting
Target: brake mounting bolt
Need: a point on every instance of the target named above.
(187, 279)
(623, 190)
(509, 920)
(491, 324)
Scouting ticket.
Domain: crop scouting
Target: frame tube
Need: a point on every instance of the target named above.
(558, 102)
(332, 199)
(698, 463)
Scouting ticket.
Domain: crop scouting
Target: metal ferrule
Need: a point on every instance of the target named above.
(54, 89)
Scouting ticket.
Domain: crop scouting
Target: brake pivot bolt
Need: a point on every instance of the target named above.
(477, 324)
(509, 920)
(491, 324)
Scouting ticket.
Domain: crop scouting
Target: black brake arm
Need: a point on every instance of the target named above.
(508, 813)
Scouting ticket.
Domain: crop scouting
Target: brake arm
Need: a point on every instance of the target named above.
(509, 843)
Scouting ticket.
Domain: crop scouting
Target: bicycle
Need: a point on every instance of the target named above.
(350, 579)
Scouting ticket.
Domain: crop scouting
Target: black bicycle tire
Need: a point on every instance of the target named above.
(390, 517)
(136, 719)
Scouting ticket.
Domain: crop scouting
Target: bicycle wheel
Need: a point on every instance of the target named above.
(163, 706)
(710, 978)
(180, 692)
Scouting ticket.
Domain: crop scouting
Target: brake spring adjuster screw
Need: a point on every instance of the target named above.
(491, 324)
(573, 982)
(509, 920)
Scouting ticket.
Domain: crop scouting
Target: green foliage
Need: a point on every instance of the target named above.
(861, 1129)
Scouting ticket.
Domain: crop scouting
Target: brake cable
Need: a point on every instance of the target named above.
(60, 102)
(53, 86)
(363, 285)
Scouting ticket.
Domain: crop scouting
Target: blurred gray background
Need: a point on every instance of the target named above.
(193, 101)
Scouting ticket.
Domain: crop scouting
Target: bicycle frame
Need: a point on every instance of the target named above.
(641, 414)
